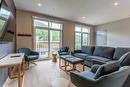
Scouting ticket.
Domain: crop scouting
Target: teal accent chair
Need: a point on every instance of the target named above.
(30, 56)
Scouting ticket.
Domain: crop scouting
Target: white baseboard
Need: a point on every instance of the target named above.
(6, 82)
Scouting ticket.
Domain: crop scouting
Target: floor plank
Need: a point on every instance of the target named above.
(42, 75)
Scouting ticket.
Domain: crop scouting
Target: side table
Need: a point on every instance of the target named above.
(54, 57)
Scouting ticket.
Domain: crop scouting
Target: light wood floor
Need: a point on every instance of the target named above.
(42, 75)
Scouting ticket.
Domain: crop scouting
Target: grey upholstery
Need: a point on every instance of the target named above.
(114, 79)
(102, 55)
(107, 68)
(74, 60)
(106, 52)
(125, 59)
(119, 52)
(87, 49)
(64, 51)
(98, 58)
(88, 63)
(80, 55)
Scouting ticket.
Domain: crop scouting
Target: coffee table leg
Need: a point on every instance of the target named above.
(59, 62)
(83, 67)
(74, 66)
(19, 76)
(65, 65)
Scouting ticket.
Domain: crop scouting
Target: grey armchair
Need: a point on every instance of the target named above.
(114, 79)
(64, 51)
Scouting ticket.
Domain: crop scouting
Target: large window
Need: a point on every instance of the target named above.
(101, 38)
(82, 34)
(48, 36)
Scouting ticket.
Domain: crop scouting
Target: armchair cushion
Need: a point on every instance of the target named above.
(34, 53)
(107, 69)
(32, 57)
(64, 49)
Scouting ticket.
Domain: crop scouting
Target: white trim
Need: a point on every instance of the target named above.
(6, 82)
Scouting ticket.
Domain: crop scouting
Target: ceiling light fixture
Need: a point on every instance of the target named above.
(116, 3)
(83, 17)
(39, 4)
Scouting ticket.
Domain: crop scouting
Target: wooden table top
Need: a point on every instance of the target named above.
(11, 59)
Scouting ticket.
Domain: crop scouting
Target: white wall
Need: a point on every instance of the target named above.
(118, 33)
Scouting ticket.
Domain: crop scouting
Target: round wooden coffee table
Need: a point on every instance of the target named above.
(60, 82)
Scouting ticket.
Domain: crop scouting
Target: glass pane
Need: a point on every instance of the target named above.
(55, 35)
(40, 23)
(85, 30)
(4, 13)
(2, 23)
(55, 25)
(78, 29)
(85, 39)
(77, 40)
(101, 38)
(42, 42)
(55, 40)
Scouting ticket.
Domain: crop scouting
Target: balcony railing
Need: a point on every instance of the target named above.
(42, 47)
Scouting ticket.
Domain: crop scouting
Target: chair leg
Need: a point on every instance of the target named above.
(33, 62)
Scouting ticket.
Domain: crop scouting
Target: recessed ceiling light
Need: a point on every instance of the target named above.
(83, 17)
(116, 3)
(39, 4)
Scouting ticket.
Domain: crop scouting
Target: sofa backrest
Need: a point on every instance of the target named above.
(119, 52)
(106, 52)
(88, 49)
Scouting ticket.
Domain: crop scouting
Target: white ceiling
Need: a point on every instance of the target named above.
(95, 11)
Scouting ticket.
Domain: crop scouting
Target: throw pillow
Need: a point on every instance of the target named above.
(107, 69)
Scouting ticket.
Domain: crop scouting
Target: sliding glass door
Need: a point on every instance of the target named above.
(48, 37)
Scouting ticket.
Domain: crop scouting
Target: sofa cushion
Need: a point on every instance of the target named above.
(125, 59)
(119, 52)
(88, 63)
(106, 52)
(87, 49)
(92, 58)
(80, 55)
(107, 69)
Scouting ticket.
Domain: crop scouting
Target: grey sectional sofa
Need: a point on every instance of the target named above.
(101, 55)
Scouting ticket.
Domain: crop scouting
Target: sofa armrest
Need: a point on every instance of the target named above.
(94, 68)
(81, 81)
